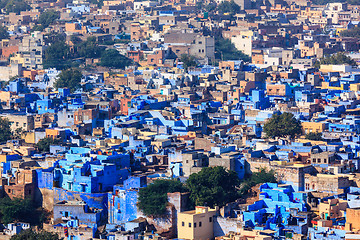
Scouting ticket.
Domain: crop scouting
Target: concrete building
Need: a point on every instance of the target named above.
(196, 224)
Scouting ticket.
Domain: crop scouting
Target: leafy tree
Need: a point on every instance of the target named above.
(314, 136)
(228, 7)
(69, 78)
(57, 55)
(324, 2)
(44, 144)
(112, 58)
(52, 38)
(336, 59)
(46, 19)
(188, 61)
(210, 7)
(282, 125)
(15, 6)
(262, 176)
(3, 33)
(89, 48)
(207, 8)
(213, 186)
(99, 3)
(17, 133)
(37, 28)
(75, 39)
(354, 32)
(29, 234)
(5, 131)
(153, 199)
(226, 50)
(21, 210)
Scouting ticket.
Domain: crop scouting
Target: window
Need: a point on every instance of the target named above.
(182, 224)
(194, 225)
(199, 224)
(190, 225)
(210, 219)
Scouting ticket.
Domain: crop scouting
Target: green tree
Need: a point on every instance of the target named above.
(15, 6)
(354, 32)
(17, 133)
(5, 130)
(213, 186)
(89, 48)
(48, 17)
(226, 50)
(37, 28)
(282, 125)
(44, 144)
(21, 210)
(3, 33)
(324, 2)
(112, 58)
(99, 3)
(262, 176)
(228, 7)
(336, 59)
(188, 61)
(153, 199)
(314, 136)
(75, 39)
(57, 55)
(29, 234)
(69, 78)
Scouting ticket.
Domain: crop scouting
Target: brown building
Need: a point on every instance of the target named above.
(22, 185)
(353, 218)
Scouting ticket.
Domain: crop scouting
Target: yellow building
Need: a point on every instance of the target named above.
(17, 59)
(355, 87)
(316, 127)
(196, 224)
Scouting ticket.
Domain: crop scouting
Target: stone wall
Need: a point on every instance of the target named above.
(222, 226)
